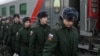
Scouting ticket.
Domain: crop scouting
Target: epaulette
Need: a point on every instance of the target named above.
(36, 26)
(58, 27)
(74, 28)
(21, 29)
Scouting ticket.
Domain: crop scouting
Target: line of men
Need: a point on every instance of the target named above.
(41, 40)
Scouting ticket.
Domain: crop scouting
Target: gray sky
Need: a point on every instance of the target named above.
(5, 1)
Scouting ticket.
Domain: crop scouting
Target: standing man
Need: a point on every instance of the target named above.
(2, 31)
(63, 41)
(7, 26)
(40, 35)
(23, 37)
(0, 20)
(16, 25)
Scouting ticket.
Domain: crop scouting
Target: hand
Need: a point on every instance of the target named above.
(15, 54)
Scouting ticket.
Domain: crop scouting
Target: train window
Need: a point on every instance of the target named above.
(94, 9)
(12, 10)
(4, 11)
(57, 6)
(23, 9)
(94, 5)
(94, 0)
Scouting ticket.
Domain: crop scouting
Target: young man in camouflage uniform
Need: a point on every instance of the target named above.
(7, 26)
(23, 38)
(16, 25)
(40, 35)
(63, 41)
(2, 31)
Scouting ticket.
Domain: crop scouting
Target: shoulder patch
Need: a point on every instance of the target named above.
(31, 32)
(50, 37)
(17, 34)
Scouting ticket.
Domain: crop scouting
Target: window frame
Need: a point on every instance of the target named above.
(4, 12)
(20, 8)
(12, 10)
(54, 9)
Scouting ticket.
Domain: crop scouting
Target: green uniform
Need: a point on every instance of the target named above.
(12, 34)
(23, 38)
(7, 27)
(62, 42)
(2, 32)
(37, 42)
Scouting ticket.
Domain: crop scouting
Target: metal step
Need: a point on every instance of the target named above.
(85, 47)
(84, 33)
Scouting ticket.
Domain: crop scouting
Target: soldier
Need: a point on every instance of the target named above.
(2, 30)
(0, 20)
(7, 25)
(23, 37)
(63, 41)
(16, 25)
(40, 35)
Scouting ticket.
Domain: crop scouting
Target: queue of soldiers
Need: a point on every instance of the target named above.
(41, 40)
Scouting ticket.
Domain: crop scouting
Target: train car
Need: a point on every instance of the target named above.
(32, 7)
(89, 25)
(89, 15)
(93, 13)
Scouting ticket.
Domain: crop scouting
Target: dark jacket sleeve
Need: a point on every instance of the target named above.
(50, 44)
(9, 34)
(32, 44)
(17, 44)
(5, 35)
(1, 33)
(75, 46)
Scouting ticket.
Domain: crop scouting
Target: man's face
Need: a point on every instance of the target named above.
(7, 21)
(3, 22)
(16, 19)
(27, 24)
(44, 20)
(68, 23)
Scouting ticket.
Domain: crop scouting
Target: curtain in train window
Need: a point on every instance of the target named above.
(23, 9)
(94, 5)
(12, 10)
(57, 6)
(94, 0)
(4, 11)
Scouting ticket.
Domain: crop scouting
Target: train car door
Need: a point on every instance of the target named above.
(55, 10)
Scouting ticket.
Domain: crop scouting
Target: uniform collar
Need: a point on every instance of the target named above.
(27, 28)
(17, 23)
(63, 25)
(42, 25)
(7, 23)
